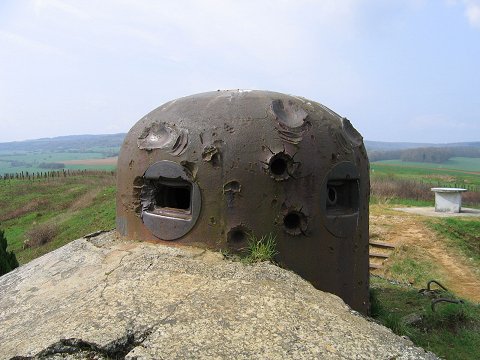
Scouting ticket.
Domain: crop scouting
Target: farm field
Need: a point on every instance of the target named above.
(31, 162)
(55, 211)
(427, 173)
(455, 163)
(77, 152)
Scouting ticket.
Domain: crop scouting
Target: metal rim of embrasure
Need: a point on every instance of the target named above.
(168, 223)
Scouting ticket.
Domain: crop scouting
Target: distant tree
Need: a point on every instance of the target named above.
(8, 260)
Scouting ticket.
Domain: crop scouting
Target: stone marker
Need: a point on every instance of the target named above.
(101, 298)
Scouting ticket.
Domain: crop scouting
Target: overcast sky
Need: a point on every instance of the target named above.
(400, 70)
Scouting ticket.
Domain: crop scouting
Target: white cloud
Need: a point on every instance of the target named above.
(472, 10)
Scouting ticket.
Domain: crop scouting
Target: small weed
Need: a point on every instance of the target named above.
(263, 249)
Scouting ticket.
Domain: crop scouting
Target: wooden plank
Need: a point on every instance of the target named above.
(378, 255)
(382, 244)
(375, 267)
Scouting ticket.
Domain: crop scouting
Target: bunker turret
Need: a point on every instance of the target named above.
(212, 169)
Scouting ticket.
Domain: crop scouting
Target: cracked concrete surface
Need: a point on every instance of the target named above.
(106, 298)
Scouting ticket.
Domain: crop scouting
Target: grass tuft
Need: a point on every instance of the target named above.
(263, 249)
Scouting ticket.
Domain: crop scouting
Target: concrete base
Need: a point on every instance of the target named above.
(448, 200)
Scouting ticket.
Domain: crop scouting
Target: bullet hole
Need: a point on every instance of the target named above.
(237, 237)
(291, 220)
(212, 220)
(332, 195)
(278, 166)
(295, 222)
(130, 164)
(281, 166)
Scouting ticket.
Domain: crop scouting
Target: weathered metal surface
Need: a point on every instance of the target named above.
(263, 162)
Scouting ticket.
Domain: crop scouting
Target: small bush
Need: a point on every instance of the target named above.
(8, 260)
(40, 235)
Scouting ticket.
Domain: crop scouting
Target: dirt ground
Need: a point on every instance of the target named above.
(409, 230)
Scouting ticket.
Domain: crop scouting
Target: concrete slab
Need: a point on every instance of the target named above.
(103, 298)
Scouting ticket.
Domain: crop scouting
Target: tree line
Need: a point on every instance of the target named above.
(425, 154)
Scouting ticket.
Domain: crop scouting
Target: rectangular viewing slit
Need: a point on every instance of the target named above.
(173, 195)
(342, 196)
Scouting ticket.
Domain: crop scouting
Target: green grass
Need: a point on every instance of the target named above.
(409, 269)
(263, 249)
(78, 205)
(462, 234)
(432, 176)
(451, 331)
(456, 163)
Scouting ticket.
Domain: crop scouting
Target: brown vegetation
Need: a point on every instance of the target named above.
(391, 188)
(40, 235)
(32, 206)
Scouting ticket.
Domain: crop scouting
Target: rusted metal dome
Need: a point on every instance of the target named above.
(213, 168)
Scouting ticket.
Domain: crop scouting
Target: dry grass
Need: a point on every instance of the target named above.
(385, 189)
(40, 235)
(85, 200)
(32, 206)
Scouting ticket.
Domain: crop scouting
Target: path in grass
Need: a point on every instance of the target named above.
(421, 254)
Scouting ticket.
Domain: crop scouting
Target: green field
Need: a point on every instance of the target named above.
(455, 163)
(73, 205)
(429, 173)
(18, 161)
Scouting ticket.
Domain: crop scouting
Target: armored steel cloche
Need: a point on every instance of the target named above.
(211, 169)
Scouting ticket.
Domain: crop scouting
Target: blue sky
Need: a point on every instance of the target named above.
(400, 70)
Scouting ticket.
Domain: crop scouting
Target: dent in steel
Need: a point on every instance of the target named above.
(160, 135)
(255, 163)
